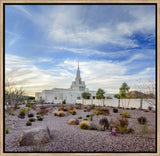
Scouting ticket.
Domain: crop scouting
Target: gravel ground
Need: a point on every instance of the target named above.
(70, 138)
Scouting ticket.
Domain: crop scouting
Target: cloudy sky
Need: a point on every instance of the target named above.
(113, 44)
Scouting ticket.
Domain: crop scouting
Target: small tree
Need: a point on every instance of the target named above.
(100, 95)
(13, 95)
(123, 90)
(85, 96)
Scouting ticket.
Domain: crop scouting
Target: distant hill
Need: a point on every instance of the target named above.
(136, 94)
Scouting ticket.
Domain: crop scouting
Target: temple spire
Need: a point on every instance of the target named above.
(78, 72)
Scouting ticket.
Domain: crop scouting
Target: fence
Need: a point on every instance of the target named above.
(127, 103)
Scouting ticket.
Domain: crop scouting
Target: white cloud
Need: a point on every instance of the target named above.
(96, 74)
(67, 25)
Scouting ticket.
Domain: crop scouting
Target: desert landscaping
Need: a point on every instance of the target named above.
(79, 128)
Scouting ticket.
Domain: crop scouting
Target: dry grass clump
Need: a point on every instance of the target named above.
(72, 110)
(84, 124)
(73, 122)
(125, 115)
(59, 113)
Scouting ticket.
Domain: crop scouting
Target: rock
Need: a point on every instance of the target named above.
(73, 122)
(35, 136)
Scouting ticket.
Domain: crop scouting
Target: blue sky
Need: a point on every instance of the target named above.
(113, 43)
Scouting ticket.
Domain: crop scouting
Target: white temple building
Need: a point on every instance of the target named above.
(57, 95)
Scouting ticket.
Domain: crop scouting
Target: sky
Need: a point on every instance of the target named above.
(112, 43)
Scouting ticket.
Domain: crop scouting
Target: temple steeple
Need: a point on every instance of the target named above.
(78, 84)
(78, 72)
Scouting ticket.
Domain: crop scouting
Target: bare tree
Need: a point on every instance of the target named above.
(13, 95)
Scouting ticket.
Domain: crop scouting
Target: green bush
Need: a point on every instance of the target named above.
(28, 105)
(92, 106)
(79, 117)
(85, 110)
(22, 111)
(74, 113)
(125, 115)
(30, 115)
(7, 130)
(105, 111)
(85, 119)
(115, 110)
(39, 118)
(84, 125)
(32, 119)
(64, 102)
(142, 120)
(87, 115)
(91, 117)
(133, 108)
(28, 123)
(122, 125)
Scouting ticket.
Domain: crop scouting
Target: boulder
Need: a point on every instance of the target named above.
(35, 136)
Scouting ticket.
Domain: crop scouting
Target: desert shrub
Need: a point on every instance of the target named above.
(61, 114)
(150, 108)
(55, 113)
(28, 123)
(28, 110)
(87, 115)
(93, 126)
(74, 113)
(125, 115)
(122, 125)
(85, 110)
(115, 110)
(73, 122)
(22, 111)
(11, 112)
(92, 106)
(84, 125)
(143, 129)
(119, 124)
(30, 115)
(64, 102)
(21, 115)
(79, 117)
(98, 111)
(7, 130)
(29, 105)
(105, 111)
(71, 110)
(142, 120)
(32, 119)
(104, 122)
(85, 119)
(39, 118)
(133, 108)
(130, 130)
(62, 109)
(91, 117)
(42, 107)
(42, 111)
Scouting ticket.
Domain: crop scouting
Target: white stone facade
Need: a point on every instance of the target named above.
(57, 95)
